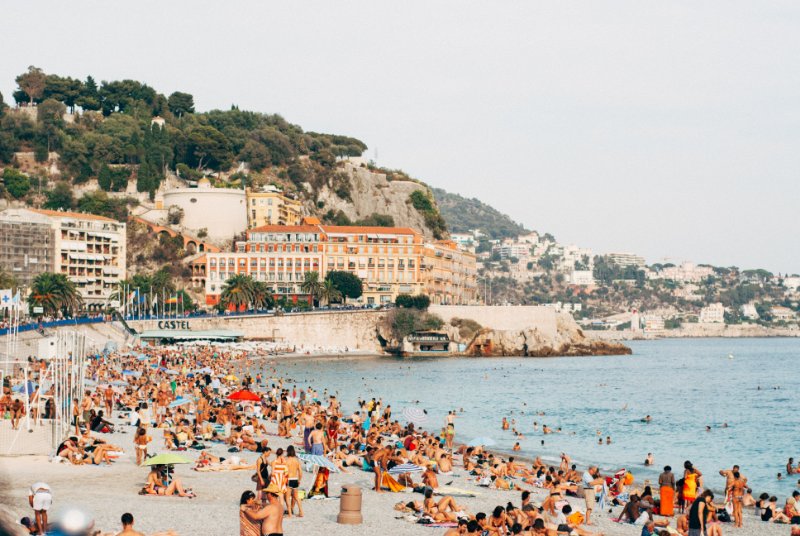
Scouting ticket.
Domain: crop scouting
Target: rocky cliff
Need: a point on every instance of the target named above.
(370, 192)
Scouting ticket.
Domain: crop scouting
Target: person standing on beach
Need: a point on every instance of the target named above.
(308, 427)
(41, 499)
(666, 485)
(295, 475)
(691, 481)
(737, 490)
(590, 481)
(729, 478)
(698, 513)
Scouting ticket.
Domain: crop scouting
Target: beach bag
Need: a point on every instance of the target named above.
(723, 516)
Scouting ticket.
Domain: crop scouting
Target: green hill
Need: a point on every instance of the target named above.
(463, 214)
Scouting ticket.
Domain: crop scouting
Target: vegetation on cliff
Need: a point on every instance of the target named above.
(463, 214)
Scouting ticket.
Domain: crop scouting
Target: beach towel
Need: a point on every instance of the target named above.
(455, 492)
(280, 476)
(391, 484)
(667, 505)
(320, 487)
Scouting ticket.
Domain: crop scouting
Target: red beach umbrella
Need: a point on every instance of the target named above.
(244, 394)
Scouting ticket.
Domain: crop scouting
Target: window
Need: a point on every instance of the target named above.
(193, 200)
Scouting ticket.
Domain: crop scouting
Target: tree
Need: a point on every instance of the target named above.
(418, 301)
(208, 147)
(60, 197)
(180, 103)
(348, 284)
(312, 285)
(17, 184)
(89, 98)
(262, 296)
(2, 105)
(54, 293)
(32, 83)
(7, 280)
(238, 291)
(329, 293)
(63, 89)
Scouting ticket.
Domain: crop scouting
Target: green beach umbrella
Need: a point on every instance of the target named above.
(166, 459)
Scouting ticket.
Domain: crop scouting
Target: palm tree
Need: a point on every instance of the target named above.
(312, 285)
(238, 291)
(329, 292)
(262, 296)
(54, 293)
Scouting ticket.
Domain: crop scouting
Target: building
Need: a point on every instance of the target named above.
(26, 244)
(508, 249)
(749, 311)
(582, 277)
(686, 272)
(465, 240)
(449, 274)
(389, 261)
(90, 250)
(270, 207)
(652, 323)
(220, 212)
(712, 314)
(626, 259)
(781, 314)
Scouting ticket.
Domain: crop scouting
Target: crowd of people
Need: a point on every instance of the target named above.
(209, 395)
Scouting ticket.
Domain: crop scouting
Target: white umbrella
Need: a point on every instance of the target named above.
(316, 459)
(415, 415)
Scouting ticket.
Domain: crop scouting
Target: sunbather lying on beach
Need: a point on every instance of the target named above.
(156, 484)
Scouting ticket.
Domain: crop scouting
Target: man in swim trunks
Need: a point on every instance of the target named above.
(308, 427)
(127, 526)
(41, 499)
(317, 440)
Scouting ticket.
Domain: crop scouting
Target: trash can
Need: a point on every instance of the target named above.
(350, 506)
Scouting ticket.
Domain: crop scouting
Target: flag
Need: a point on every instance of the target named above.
(6, 298)
(132, 295)
(17, 300)
(177, 298)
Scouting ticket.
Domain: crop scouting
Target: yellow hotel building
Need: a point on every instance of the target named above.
(270, 207)
(389, 261)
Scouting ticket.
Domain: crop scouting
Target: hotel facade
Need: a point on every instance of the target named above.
(389, 261)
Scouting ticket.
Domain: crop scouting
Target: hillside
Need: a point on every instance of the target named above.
(106, 147)
(463, 214)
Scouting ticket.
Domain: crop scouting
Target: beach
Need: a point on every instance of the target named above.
(108, 492)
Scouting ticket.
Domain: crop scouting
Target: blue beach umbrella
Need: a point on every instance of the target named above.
(180, 402)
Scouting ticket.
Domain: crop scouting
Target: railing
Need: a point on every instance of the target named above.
(32, 326)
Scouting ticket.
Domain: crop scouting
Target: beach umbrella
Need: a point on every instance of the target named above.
(166, 459)
(416, 416)
(231, 378)
(482, 441)
(171, 372)
(127, 372)
(180, 402)
(244, 395)
(406, 468)
(322, 461)
(119, 383)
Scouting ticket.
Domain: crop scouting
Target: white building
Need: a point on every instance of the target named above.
(530, 238)
(749, 311)
(652, 323)
(782, 314)
(792, 283)
(222, 212)
(90, 250)
(686, 272)
(582, 277)
(713, 314)
(626, 259)
(466, 241)
(508, 249)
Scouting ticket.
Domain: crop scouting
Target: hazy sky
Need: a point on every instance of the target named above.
(671, 129)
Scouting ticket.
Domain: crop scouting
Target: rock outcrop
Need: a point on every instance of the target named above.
(569, 340)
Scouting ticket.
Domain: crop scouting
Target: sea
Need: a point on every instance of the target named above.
(745, 390)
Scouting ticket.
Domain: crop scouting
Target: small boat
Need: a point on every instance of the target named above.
(730, 356)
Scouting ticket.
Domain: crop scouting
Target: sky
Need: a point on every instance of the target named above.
(668, 129)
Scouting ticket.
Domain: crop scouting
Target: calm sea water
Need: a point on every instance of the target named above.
(684, 385)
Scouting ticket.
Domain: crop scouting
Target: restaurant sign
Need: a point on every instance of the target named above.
(173, 324)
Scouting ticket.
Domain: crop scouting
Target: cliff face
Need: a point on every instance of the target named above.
(371, 193)
(568, 340)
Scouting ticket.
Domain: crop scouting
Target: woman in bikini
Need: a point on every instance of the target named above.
(141, 440)
(157, 486)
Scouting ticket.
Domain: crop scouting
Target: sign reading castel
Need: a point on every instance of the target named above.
(173, 324)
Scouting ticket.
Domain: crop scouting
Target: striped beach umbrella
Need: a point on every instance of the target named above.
(406, 468)
(414, 415)
(322, 461)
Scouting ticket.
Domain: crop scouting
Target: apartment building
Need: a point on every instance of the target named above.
(626, 259)
(713, 314)
(88, 249)
(269, 206)
(449, 273)
(26, 244)
(388, 260)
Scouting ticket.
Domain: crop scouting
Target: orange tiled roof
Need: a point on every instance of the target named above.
(285, 229)
(353, 229)
(77, 215)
